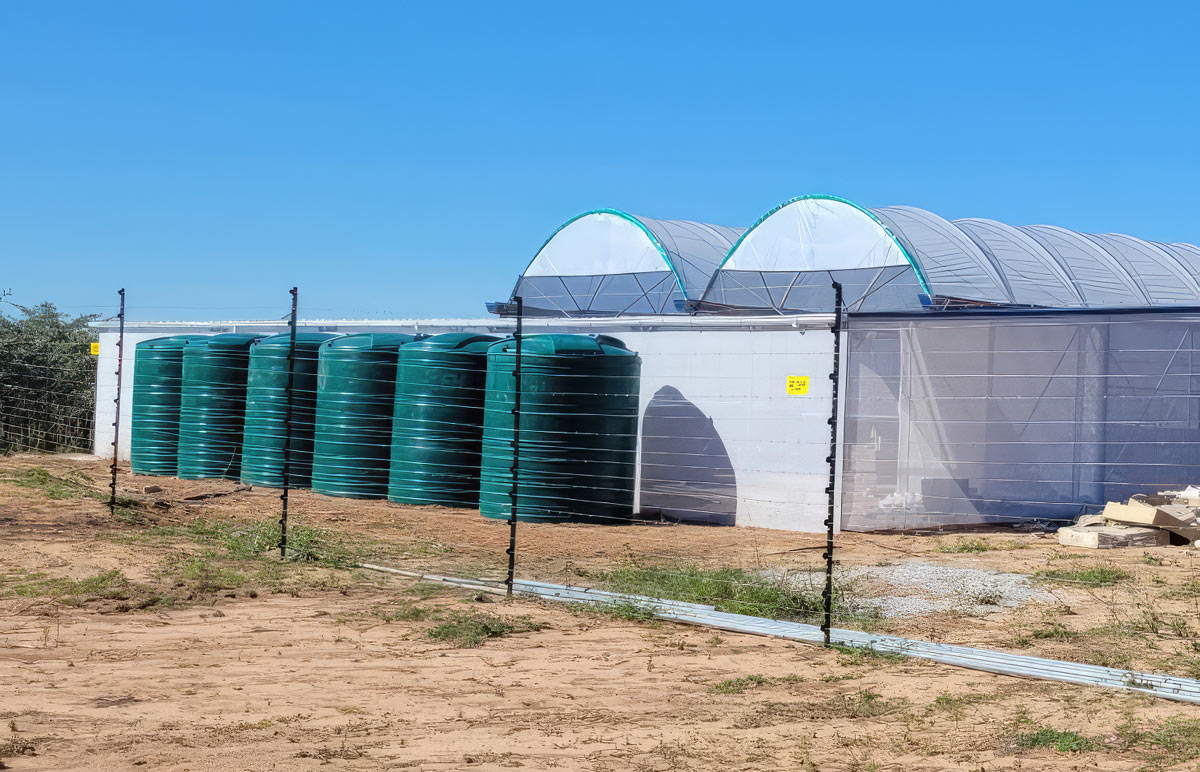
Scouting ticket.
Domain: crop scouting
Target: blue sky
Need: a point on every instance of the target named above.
(398, 160)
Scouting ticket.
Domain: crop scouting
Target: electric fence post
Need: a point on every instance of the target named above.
(516, 450)
(112, 485)
(831, 459)
(287, 430)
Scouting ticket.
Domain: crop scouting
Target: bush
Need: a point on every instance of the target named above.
(727, 589)
(1093, 576)
(47, 381)
(1056, 739)
(468, 630)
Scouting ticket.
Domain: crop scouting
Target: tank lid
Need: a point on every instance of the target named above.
(309, 339)
(469, 342)
(170, 342)
(228, 341)
(371, 341)
(567, 345)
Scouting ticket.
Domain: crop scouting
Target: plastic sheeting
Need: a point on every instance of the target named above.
(891, 288)
(933, 261)
(611, 263)
(992, 417)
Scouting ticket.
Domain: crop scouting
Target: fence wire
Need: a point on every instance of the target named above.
(632, 490)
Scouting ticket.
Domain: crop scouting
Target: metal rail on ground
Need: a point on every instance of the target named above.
(1002, 663)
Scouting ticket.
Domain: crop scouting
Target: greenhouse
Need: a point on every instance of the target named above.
(901, 258)
(994, 372)
(985, 372)
(610, 263)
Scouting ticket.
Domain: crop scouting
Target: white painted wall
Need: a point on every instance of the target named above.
(776, 443)
(106, 390)
(732, 372)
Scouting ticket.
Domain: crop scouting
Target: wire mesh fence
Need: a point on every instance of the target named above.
(47, 381)
(991, 419)
(623, 480)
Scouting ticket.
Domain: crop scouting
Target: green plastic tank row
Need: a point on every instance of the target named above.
(578, 433)
(356, 397)
(212, 406)
(438, 423)
(157, 389)
(415, 420)
(265, 441)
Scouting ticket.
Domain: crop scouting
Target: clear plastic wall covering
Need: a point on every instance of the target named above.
(891, 288)
(979, 417)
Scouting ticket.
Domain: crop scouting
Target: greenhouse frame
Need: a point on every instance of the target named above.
(988, 372)
(610, 263)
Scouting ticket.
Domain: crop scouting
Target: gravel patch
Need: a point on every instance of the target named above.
(915, 588)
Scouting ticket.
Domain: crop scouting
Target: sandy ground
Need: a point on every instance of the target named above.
(283, 684)
(317, 676)
(1159, 602)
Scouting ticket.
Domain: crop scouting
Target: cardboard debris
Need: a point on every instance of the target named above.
(1173, 515)
(1106, 537)
(1143, 510)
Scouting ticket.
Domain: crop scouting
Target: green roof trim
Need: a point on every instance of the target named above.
(826, 197)
(666, 256)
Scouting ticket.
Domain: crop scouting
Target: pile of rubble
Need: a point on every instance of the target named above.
(1170, 517)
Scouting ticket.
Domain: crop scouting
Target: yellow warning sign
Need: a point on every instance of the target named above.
(797, 384)
(95, 349)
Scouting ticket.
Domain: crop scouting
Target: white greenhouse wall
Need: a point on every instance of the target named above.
(776, 443)
(713, 395)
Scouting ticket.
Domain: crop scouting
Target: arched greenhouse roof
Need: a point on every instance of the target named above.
(607, 263)
(902, 258)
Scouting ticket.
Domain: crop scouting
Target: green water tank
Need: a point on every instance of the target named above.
(356, 396)
(439, 420)
(157, 388)
(212, 409)
(578, 438)
(266, 434)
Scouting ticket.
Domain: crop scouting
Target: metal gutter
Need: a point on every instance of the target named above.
(627, 323)
(1001, 663)
(1180, 310)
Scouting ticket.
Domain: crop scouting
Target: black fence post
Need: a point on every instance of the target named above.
(516, 451)
(287, 429)
(827, 595)
(112, 485)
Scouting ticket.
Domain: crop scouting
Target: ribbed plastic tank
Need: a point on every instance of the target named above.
(212, 410)
(439, 420)
(266, 436)
(578, 439)
(356, 398)
(157, 388)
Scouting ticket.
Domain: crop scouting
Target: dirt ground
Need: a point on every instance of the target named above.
(134, 643)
